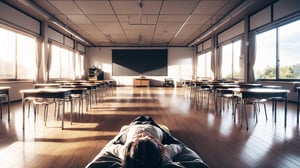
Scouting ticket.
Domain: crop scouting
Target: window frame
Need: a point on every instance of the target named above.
(17, 33)
(71, 54)
(276, 27)
(208, 75)
(232, 41)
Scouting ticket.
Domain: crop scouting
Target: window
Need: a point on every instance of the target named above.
(277, 53)
(204, 66)
(265, 64)
(231, 56)
(79, 69)
(66, 64)
(288, 51)
(62, 65)
(26, 57)
(17, 55)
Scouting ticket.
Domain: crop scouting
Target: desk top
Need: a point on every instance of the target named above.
(45, 90)
(4, 87)
(141, 78)
(47, 85)
(259, 90)
(46, 93)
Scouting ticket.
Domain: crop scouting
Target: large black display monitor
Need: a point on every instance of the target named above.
(140, 62)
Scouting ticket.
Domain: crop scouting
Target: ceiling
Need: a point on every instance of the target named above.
(161, 23)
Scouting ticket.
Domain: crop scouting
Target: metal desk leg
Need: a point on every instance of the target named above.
(23, 108)
(298, 102)
(285, 110)
(63, 115)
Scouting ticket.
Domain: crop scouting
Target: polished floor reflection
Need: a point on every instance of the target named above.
(219, 140)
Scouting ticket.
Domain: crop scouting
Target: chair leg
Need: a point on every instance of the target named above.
(35, 106)
(45, 113)
(28, 108)
(265, 111)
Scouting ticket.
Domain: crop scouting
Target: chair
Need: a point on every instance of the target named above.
(169, 82)
(42, 101)
(256, 105)
(203, 91)
(187, 84)
(274, 99)
(36, 103)
(77, 98)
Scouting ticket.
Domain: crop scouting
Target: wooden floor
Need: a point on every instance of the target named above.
(219, 140)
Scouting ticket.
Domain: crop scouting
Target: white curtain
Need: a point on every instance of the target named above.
(251, 57)
(39, 67)
(75, 55)
(218, 62)
(48, 60)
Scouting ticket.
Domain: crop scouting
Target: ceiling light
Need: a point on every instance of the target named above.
(180, 29)
(69, 31)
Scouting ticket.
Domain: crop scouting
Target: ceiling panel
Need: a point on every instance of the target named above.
(178, 7)
(95, 7)
(66, 7)
(79, 19)
(133, 7)
(122, 22)
(209, 7)
(103, 18)
(109, 27)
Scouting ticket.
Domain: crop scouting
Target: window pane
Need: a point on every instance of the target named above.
(289, 49)
(201, 66)
(227, 61)
(26, 59)
(7, 54)
(204, 66)
(237, 70)
(64, 58)
(78, 65)
(208, 72)
(265, 62)
(81, 65)
(55, 63)
(62, 63)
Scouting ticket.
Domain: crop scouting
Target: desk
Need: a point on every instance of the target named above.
(78, 93)
(224, 91)
(250, 85)
(141, 82)
(262, 93)
(5, 90)
(45, 93)
(46, 85)
(90, 87)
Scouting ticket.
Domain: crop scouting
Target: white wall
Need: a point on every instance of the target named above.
(180, 65)
(15, 87)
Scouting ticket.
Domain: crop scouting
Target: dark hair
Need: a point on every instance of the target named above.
(143, 153)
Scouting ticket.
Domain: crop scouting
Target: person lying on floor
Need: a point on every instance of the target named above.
(145, 144)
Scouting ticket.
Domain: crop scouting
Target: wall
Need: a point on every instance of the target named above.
(180, 65)
(15, 87)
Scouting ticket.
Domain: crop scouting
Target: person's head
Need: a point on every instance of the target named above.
(144, 152)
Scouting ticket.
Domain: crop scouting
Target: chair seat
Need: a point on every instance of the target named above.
(254, 100)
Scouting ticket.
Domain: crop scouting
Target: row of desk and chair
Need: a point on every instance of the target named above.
(60, 93)
(239, 94)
